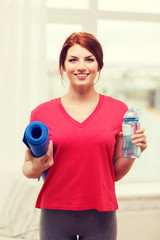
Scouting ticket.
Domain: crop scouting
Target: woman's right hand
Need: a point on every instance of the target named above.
(33, 167)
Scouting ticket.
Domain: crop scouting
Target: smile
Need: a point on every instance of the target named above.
(81, 74)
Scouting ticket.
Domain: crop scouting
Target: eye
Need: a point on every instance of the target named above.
(72, 60)
(89, 59)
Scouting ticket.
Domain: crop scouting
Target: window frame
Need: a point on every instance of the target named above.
(77, 16)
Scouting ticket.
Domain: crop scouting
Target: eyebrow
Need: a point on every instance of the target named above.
(85, 57)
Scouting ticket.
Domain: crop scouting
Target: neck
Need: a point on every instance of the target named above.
(82, 94)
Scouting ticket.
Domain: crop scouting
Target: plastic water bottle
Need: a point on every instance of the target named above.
(129, 127)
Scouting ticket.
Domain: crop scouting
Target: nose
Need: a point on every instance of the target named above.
(81, 66)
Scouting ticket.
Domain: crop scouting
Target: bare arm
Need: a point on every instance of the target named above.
(33, 167)
(123, 165)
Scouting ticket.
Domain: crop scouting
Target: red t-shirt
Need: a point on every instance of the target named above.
(82, 176)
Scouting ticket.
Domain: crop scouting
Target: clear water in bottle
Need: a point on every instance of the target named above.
(129, 127)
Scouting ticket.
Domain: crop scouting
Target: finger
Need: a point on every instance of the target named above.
(28, 155)
(120, 134)
(136, 136)
(140, 140)
(49, 154)
(50, 147)
(141, 130)
(50, 161)
(142, 146)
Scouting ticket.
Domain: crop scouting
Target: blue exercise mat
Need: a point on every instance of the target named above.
(36, 138)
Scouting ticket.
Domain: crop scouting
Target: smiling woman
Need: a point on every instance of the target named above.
(85, 40)
(80, 65)
(85, 127)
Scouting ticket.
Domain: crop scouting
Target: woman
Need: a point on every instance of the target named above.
(78, 195)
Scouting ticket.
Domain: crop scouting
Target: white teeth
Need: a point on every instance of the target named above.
(81, 75)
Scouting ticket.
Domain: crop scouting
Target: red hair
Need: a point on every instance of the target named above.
(85, 40)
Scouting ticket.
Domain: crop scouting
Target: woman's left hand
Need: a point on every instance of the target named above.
(139, 139)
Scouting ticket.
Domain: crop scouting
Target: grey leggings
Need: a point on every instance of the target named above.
(87, 224)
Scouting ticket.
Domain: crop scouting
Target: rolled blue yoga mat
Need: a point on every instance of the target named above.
(36, 138)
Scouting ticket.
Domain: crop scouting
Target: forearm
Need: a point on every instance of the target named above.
(29, 171)
(33, 167)
(122, 167)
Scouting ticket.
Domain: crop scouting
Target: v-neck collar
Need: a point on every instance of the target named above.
(88, 119)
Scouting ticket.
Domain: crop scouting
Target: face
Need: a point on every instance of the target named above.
(80, 66)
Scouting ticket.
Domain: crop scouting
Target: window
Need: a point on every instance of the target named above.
(150, 6)
(70, 4)
(130, 42)
(56, 37)
(131, 73)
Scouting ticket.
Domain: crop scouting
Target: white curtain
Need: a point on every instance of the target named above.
(22, 73)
